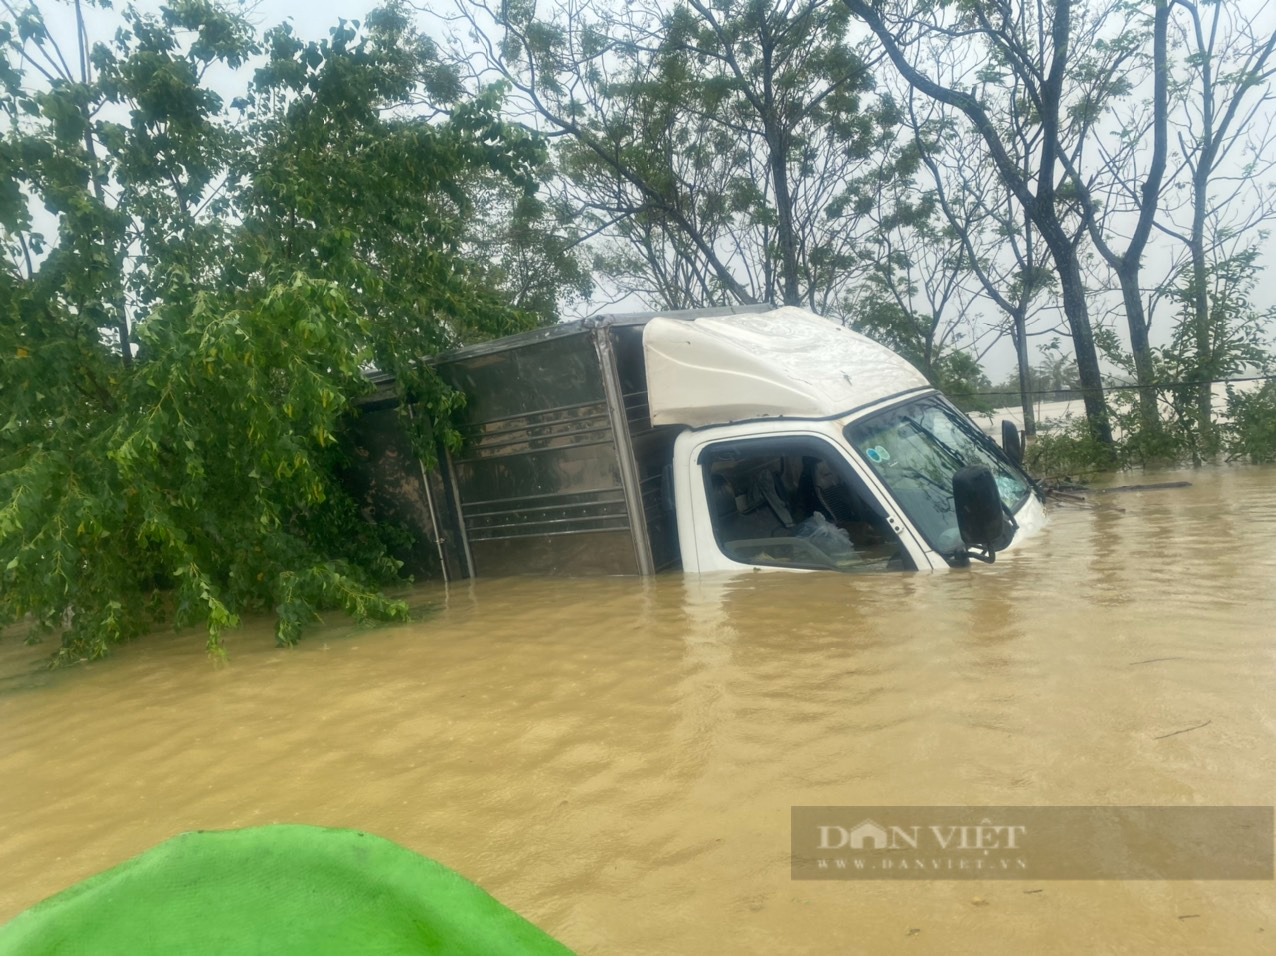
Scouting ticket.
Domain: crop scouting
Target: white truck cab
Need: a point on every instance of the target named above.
(841, 449)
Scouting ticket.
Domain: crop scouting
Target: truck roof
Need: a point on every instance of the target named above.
(572, 327)
(779, 363)
(576, 326)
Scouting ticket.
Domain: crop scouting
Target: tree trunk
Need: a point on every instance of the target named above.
(789, 268)
(1150, 195)
(1045, 212)
(1078, 314)
(1020, 335)
(1128, 264)
(1201, 319)
(1140, 347)
(96, 175)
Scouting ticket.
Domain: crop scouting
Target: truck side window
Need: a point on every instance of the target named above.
(796, 502)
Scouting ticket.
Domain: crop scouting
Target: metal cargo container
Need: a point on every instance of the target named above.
(561, 470)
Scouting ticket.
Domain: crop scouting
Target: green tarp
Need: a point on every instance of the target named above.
(275, 890)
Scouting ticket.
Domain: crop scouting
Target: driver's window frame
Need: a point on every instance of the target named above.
(764, 447)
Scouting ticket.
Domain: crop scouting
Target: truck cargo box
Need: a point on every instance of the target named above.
(561, 470)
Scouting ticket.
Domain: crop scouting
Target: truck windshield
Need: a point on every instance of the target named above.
(915, 449)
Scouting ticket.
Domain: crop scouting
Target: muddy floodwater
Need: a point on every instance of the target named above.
(616, 759)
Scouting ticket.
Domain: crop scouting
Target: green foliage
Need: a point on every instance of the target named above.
(1233, 339)
(1250, 431)
(179, 357)
(1053, 379)
(1235, 342)
(524, 250)
(912, 298)
(955, 372)
(339, 185)
(726, 152)
(434, 227)
(1066, 448)
(119, 150)
(196, 489)
(959, 375)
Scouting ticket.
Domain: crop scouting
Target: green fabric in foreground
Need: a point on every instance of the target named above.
(275, 890)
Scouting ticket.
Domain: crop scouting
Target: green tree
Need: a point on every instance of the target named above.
(1225, 158)
(1026, 89)
(1236, 340)
(914, 297)
(191, 476)
(527, 248)
(1002, 247)
(120, 143)
(724, 152)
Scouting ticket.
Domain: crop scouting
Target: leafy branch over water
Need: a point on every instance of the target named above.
(189, 297)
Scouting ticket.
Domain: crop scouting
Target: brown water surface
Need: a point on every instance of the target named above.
(616, 759)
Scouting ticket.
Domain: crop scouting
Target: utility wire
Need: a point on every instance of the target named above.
(1014, 392)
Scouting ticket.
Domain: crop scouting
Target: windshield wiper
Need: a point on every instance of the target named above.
(933, 482)
(943, 446)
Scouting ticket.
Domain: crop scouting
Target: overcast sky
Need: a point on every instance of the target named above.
(313, 19)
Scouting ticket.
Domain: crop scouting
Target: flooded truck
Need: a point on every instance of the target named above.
(704, 441)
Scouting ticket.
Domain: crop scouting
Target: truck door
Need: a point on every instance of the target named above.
(784, 501)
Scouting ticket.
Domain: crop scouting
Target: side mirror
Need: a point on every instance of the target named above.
(981, 517)
(1011, 443)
